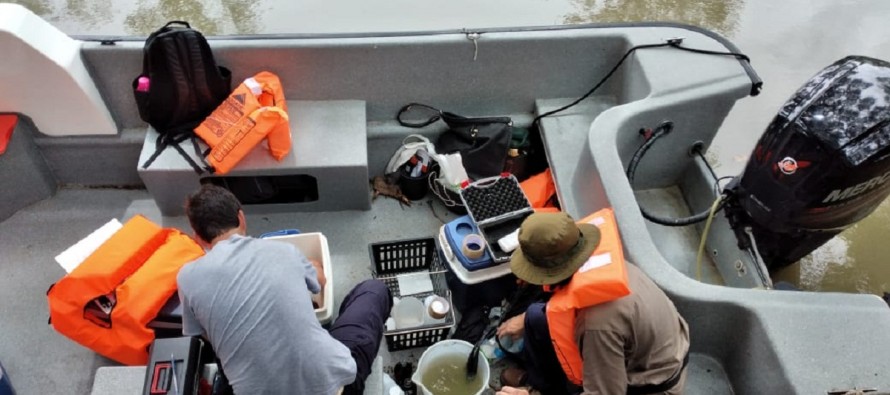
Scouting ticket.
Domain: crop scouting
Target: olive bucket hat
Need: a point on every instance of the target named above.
(552, 248)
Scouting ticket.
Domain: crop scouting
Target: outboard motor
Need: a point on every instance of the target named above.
(822, 165)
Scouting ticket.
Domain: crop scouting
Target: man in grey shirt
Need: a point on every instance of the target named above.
(250, 298)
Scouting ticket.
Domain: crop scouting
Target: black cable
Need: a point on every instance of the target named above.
(673, 43)
(676, 44)
(717, 183)
(603, 80)
(697, 151)
(659, 132)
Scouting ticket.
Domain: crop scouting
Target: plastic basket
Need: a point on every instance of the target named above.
(393, 258)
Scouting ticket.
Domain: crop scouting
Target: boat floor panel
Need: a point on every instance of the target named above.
(678, 245)
(39, 360)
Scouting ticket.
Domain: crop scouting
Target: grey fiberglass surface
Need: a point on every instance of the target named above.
(747, 341)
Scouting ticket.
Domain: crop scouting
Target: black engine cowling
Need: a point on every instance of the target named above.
(822, 165)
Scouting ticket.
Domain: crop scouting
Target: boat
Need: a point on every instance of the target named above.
(79, 141)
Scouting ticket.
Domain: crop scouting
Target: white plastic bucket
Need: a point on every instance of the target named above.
(449, 348)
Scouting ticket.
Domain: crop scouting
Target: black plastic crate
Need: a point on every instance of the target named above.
(392, 258)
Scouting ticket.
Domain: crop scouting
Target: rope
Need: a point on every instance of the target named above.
(704, 236)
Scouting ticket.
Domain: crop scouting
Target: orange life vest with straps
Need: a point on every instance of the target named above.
(254, 111)
(541, 191)
(106, 302)
(601, 279)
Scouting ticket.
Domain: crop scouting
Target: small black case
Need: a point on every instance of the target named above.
(180, 357)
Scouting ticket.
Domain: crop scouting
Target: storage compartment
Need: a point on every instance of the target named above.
(498, 206)
(456, 233)
(174, 366)
(408, 257)
(481, 287)
(298, 188)
(496, 230)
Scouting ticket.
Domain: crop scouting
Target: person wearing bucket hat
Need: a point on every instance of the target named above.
(606, 328)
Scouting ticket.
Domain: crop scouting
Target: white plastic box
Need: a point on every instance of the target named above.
(465, 276)
(315, 246)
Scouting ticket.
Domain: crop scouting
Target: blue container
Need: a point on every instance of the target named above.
(5, 385)
(455, 232)
(283, 232)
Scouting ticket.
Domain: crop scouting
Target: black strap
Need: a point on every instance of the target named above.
(186, 24)
(160, 144)
(188, 158)
(173, 140)
(659, 388)
(202, 155)
(408, 107)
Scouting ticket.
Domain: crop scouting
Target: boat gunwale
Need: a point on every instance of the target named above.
(756, 81)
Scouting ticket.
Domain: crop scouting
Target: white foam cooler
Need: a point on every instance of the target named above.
(464, 275)
(315, 246)
(480, 287)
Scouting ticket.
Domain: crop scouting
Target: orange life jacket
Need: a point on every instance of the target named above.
(254, 111)
(106, 302)
(601, 279)
(540, 191)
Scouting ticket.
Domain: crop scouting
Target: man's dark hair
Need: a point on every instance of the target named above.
(212, 211)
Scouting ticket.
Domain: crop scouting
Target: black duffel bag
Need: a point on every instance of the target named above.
(482, 141)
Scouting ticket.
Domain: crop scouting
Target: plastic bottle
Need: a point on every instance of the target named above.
(409, 313)
(494, 315)
(514, 347)
(142, 84)
(490, 349)
(436, 309)
(390, 387)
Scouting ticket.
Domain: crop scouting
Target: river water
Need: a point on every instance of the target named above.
(788, 41)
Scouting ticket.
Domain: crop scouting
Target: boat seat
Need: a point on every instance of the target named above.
(21, 164)
(326, 170)
(565, 136)
(68, 102)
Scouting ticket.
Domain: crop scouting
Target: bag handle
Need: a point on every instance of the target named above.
(429, 121)
(178, 22)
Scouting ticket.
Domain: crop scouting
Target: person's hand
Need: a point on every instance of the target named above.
(514, 327)
(512, 391)
(319, 270)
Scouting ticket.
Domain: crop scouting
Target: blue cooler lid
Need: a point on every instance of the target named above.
(455, 232)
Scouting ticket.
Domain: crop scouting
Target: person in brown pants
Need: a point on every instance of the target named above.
(606, 329)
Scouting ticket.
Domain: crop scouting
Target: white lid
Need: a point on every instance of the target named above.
(439, 307)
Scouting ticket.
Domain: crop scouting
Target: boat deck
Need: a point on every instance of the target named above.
(746, 338)
(40, 361)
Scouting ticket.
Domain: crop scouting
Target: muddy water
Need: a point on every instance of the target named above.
(788, 41)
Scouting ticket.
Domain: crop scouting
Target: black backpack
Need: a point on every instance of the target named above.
(180, 85)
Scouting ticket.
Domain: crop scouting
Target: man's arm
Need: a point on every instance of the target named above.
(319, 270)
(603, 356)
(190, 324)
(314, 278)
